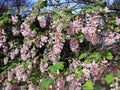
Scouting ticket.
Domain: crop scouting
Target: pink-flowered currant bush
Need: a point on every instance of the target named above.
(58, 50)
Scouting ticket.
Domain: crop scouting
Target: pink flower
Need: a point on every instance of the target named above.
(30, 66)
(117, 21)
(11, 44)
(44, 38)
(86, 72)
(5, 60)
(43, 66)
(23, 56)
(19, 72)
(31, 86)
(106, 9)
(60, 83)
(10, 75)
(57, 48)
(12, 56)
(74, 45)
(42, 21)
(16, 51)
(2, 40)
(110, 37)
(24, 77)
(5, 49)
(9, 86)
(14, 19)
(15, 31)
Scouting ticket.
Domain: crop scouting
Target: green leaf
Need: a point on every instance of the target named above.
(89, 10)
(79, 74)
(97, 8)
(88, 61)
(58, 66)
(112, 22)
(102, 3)
(118, 73)
(25, 86)
(43, 4)
(1, 22)
(45, 83)
(89, 85)
(80, 36)
(68, 37)
(24, 8)
(109, 78)
(71, 70)
(34, 77)
(14, 80)
(117, 29)
(4, 72)
(64, 26)
(93, 7)
(56, 24)
(56, 16)
(109, 55)
(83, 55)
(44, 59)
(40, 4)
(6, 80)
(67, 11)
(96, 55)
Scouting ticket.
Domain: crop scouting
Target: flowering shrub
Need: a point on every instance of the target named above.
(60, 50)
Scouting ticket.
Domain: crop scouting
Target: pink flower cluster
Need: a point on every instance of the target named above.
(14, 53)
(73, 82)
(2, 37)
(74, 45)
(58, 43)
(42, 21)
(110, 37)
(117, 21)
(14, 19)
(15, 31)
(30, 57)
(26, 52)
(26, 32)
(41, 40)
(60, 83)
(90, 29)
(43, 66)
(32, 87)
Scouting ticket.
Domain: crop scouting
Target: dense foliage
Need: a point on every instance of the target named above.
(59, 50)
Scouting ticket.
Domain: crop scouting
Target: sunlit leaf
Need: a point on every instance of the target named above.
(117, 29)
(83, 55)
(79, 74)
(45, 83)
(109, 55)
(96, 55)
(14, 80)
(89, 85)
(58, 66)
(88, 61)
(109, 78)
